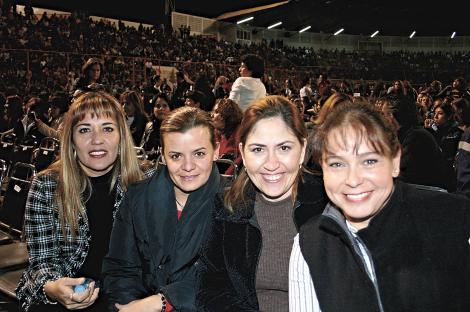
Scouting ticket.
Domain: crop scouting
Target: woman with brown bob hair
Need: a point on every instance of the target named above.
(380, 244)
(71, 206)
(244, 265)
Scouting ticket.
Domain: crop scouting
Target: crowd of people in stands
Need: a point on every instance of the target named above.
(338, 196)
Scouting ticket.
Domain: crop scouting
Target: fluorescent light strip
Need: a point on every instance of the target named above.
(305, 29)
(274, 25)
(245, 20)
(413, 34)
(374, 34)
(453, 35)
(338, 32)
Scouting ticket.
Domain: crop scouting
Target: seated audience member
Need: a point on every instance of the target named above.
(445, 130)
(194, 99)
(226, 118)
(244, 266)
(162, 224)
(59, 104)
(219, 87)
(380, 244)
(135, 114)
(26, 130)
(71, 207)
(151, 140)
(422, 161)
(92, 77)
(462, 160)
(13, 112)
(248, 87)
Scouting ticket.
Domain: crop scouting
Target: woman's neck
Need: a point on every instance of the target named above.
(181, 198)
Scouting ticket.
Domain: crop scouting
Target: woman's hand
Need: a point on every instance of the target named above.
(61, 291)
(149, 304)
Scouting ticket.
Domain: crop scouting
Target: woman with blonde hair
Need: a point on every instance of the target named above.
(71, 206)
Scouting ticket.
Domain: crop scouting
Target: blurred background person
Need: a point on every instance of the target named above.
(248, 87)
(135, 114)
(226, 118)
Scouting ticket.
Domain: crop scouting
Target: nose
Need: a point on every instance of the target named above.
(97, 137)
(188, 164)
(272, 162)
(354, 177)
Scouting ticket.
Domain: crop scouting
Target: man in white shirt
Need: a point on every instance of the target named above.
(248, 87)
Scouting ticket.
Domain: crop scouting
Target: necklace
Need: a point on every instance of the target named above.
(179, 204)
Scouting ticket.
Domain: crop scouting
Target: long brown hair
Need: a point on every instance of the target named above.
(73, 183)
(268, 107)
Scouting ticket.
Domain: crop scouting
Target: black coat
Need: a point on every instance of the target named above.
(419, 245)
(227, 270)
(150, 250)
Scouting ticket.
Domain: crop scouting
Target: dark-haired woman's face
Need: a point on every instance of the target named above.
(217, 119)
(94, 72)
(440, 116)
(272, 156)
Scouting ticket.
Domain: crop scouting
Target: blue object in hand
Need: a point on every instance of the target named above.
(82, 287)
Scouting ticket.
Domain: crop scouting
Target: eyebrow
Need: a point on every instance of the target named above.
(196, 150)
(264, 145)
(330, 155)
(89, 124)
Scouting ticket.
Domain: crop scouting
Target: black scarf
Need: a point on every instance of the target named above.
(180, 240)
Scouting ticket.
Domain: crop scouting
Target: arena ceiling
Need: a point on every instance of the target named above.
(397, 17)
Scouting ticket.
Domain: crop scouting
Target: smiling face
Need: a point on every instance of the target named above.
(357, 180)
(272, 156)
(96, 142)
(189, 157)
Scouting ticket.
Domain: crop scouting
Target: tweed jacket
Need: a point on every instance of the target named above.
(51, 254)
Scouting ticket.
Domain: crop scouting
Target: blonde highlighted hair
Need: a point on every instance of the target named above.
(73, 183)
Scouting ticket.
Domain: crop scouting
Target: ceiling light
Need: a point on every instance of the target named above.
(305, 29)
(245, 20)
(374, 34)
(413, 34)
(274, 25)
(338, 32)
(453, 35)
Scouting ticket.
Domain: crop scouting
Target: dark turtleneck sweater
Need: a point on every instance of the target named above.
(278, 231)
(99, 209)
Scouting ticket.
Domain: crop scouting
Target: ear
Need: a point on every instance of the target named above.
(240, 148)
(163, 160)
(216, 151)
(396, 165)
